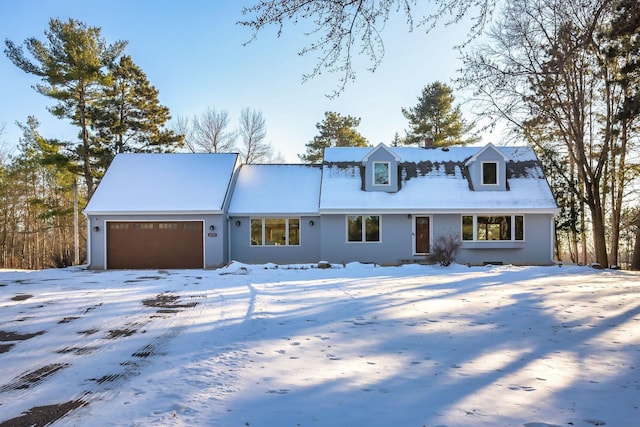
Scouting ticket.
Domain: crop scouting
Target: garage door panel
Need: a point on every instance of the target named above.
(155, 245)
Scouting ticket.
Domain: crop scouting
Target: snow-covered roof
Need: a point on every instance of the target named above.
(379, 147)
(489, 146)
(276, 190)
(164, 183)
(433, 180)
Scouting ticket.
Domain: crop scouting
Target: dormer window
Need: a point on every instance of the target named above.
(380, 170)
(489, 173)
(381, 173)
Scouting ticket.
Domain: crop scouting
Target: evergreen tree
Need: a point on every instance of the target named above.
(36, 210)
(334, 131)
(623, 46)
(72, 63)
(128, 117)
(396, 141)
(436, 117)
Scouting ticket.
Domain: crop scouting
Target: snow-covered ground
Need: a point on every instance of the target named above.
(348, 346)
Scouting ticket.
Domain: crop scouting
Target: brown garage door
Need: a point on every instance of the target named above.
(154, 245)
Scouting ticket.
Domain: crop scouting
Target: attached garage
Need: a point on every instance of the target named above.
(143, 245)
(161, 211)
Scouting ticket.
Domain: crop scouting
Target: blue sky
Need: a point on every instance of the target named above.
(193, 53)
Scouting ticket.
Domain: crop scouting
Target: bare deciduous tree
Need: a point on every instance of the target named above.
(209, 133)
(345, 28)
(544, 70)
(253, 132)
(181, 125)
(3, 148)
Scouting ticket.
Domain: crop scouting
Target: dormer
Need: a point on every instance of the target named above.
(488, 169)
(380, 167)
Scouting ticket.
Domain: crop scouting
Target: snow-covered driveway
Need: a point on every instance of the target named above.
(355, 346)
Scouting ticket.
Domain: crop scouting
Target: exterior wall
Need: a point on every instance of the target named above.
(241, 250)
(395, 246)
(475, 171)
(381, 155)
(215, 250)
(535, 249)
(326, 240)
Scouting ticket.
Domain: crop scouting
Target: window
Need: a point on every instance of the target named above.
(354, 228)
(118, 226)
(363, 228)
(381, 173)
(168, 226)
(505, 227)
(143, 225)
(489, 173)
(467, 228)
(519, 232)
(275, 232)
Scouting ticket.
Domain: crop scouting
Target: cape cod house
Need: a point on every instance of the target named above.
(376, 204)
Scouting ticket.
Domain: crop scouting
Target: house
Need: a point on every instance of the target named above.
(370, 204)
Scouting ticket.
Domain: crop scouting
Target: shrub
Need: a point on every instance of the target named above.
(445, 249)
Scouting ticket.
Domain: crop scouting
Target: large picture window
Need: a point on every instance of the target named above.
(498, 227)
(381, 173)
(363, 228)
(275, 231)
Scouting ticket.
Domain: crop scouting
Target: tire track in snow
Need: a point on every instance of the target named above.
(72, 359)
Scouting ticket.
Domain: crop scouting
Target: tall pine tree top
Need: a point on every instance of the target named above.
(436, 117)
(334, 131)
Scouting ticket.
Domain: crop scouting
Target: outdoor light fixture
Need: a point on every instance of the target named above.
(311, 223)
(211, 228)
(238, 223)
(96, 228)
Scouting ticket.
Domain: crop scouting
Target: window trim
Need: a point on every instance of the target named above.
(286, 232)
(363, 230)
(494, 162)
(373, 173)
(474, 225)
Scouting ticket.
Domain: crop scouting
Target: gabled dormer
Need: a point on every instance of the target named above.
(380, 167)
(488, 169)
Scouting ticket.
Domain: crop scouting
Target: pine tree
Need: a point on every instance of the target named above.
(40, 233)
(72, 63)
(128, 116)
(335, 131)
(436, 117)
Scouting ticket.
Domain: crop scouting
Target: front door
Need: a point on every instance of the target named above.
(422, 234)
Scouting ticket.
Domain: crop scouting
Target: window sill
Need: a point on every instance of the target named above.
(494, 244)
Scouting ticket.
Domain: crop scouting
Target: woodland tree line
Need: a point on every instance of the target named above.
(562, 74)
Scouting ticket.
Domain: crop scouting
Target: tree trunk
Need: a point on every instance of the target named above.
(86, 148)
(635, 262)
(620, 179)
(599, 235)
(583, 225)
